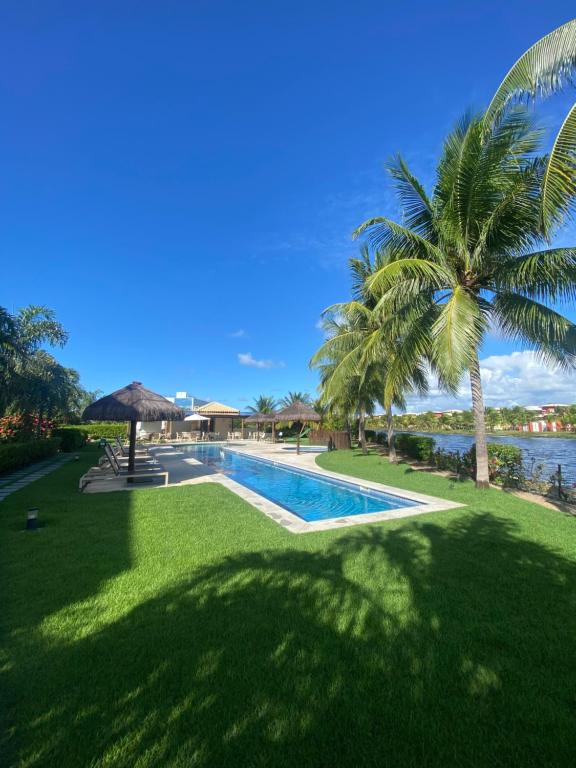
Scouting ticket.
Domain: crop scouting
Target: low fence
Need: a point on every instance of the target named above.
(560, 484)
(333, 440)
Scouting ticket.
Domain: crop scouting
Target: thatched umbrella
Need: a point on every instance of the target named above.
(133, 403)
(261, 418)
(298, 411)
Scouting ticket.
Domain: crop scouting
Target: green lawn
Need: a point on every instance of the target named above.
(181, 627)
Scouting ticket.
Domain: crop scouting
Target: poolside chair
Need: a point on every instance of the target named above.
(122, 455)
(123, 450)
(122, 461)
(140, 475)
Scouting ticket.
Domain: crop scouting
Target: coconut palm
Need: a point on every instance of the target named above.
(378, 355)
(294, 397)
(545, 68)
(263, 404)
(475, 249)
(345, 389)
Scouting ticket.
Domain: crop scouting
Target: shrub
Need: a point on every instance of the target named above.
(107, 429)
(16, 455)
(415, 446)
(504, 464)
(382, 438)
(72, 438)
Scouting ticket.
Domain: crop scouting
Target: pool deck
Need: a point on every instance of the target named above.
(186, 470)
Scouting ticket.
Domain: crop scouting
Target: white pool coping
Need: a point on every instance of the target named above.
(307, 462)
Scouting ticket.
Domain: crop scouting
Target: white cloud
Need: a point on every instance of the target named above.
(246, 358)
(239, 334)
(518, 378)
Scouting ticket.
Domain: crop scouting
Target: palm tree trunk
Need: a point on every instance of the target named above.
(482, 476)
(362, 431)
(391, 436)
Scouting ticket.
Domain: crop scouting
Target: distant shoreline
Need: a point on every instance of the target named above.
(499, 433)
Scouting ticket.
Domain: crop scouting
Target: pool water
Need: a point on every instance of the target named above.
(306, 494)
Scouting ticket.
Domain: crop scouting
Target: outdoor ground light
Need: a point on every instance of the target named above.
(32, 519)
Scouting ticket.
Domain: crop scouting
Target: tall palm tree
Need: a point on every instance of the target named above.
(546, 68)
(475, 249)
(346, 390)
(381, 355)
(263, 404)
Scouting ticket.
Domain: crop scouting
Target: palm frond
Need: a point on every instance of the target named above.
(545, 68)
(559, 183)
(398, 241)
(416, 206)
(536, 326)
(548, 275)
(457, 332)
(409, 277)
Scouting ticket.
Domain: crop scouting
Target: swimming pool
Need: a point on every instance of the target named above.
(310, 496)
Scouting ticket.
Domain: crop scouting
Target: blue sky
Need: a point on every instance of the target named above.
(179, 180)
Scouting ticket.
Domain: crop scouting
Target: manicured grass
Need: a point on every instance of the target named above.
(181, 627)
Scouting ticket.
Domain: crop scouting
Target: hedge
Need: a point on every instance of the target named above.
(16, 455)
(415, 446)
(72, 438)
(107, 429)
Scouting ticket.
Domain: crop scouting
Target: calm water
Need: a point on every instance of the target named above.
(307, 495)
(548, 451)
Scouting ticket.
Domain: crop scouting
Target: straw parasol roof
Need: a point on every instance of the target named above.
(260, 418)
(297, 411)
(133, 403)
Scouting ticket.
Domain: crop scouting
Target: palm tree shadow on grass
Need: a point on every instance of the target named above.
(422, 645)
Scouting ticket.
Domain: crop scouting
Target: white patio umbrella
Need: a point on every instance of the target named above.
(196, 417)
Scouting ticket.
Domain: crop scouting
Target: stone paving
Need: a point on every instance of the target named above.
(23, 477)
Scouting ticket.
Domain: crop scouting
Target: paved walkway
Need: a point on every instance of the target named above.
(23, 477)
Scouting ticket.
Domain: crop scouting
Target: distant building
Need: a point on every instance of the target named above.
(217, 417)
(187, 402)
(554, 407)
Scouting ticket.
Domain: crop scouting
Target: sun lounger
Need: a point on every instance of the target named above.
(103, 475)
(122, 461)
(122, 450)
(143, 472)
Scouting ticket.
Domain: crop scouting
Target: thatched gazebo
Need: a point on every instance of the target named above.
(133, 403)
(298, 411)
(261, 418)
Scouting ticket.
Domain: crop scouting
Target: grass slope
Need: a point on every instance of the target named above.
(181, 627)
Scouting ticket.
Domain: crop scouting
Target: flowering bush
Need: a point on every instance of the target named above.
(20, 427)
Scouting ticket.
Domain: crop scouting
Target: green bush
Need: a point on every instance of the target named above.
(504, 464)
(16, 455)
(72, 438)
(415, 446)
(107, 429)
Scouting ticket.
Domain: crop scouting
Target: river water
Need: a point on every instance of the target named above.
(548, 451)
